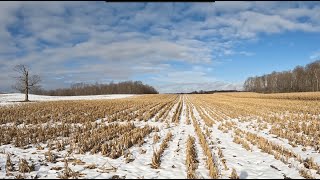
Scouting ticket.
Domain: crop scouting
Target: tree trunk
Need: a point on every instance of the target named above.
(26, 88)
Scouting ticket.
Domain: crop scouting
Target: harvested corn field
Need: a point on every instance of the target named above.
(223, 135)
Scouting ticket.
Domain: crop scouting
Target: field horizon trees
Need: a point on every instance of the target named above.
(78, 89)
(300, 79)
(26, 83)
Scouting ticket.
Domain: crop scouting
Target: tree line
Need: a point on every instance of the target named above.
(210, 92)
(26, 83)
(77, 89)
(300, 79)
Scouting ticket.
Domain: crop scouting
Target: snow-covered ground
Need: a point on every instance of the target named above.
(248, 164)
(14, 98)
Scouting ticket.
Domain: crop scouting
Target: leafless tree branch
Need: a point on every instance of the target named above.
(24, 82)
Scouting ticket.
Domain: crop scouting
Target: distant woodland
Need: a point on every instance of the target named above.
(210, 92)
(126, 87)
(300, 79)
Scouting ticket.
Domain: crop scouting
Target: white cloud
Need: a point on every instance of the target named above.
(315, 55)
(195, 79)
(128, 40)
(206, 86)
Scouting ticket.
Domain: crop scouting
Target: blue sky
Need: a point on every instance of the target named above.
(175, 47)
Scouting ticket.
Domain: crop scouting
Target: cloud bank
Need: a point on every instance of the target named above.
(68, 42)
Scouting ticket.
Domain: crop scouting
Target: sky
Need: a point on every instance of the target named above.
(175, 47)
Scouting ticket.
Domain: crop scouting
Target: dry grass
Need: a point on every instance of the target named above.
(24, 167)
(191, 158)
(187, 115)
(68, 172)
(50, 157)
(90, 127)
(83, 126)
(292, 116)
(45, 121)
(213, 170)
(306, 174)
(244, 143)
(234, 174)
(208, 121)
(156, 161)
(90, 166)
(19, 176)
(156, 138)
(177, 114)
(9, 164)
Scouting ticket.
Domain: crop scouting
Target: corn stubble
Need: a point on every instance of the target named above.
(106, 127)
(291, 116)
(156, 158)
(191, 158)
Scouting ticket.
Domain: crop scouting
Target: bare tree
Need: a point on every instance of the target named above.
(25, 83)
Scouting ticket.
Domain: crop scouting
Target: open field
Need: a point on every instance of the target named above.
(225, 135)
(14, 98)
